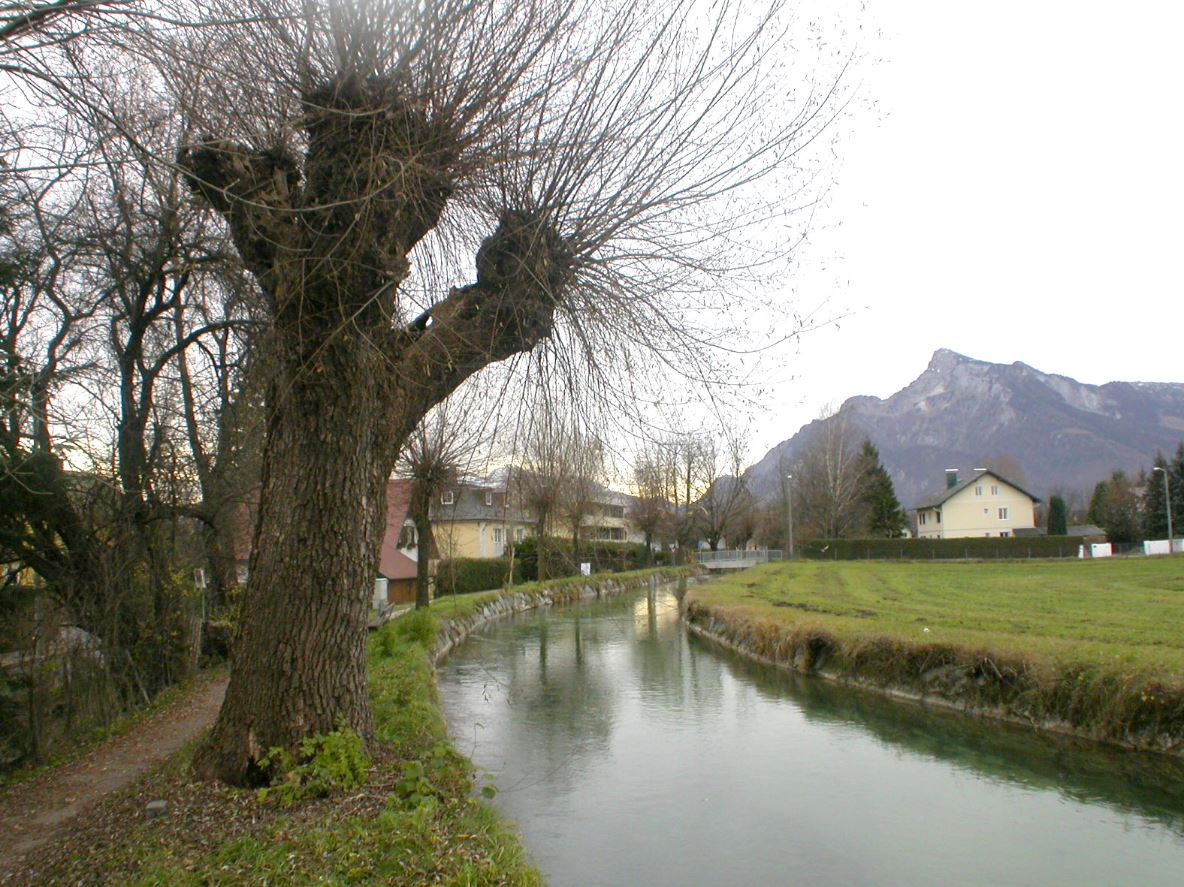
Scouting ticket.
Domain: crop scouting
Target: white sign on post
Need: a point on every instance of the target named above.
(585, 569)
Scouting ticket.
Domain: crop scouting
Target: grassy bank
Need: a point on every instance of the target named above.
(413, 820)
(1095, 646)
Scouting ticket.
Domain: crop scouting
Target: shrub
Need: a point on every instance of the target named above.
(605, 557)
(465, 575)
(334, 760)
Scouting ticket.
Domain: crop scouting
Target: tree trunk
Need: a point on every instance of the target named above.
(423, 562)
(327, 237)
(541, 549)
(421, 504)
(298, 667)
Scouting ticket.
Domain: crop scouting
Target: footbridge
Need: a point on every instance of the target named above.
(737, 559)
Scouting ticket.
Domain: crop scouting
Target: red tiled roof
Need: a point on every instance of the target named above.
(392, 563)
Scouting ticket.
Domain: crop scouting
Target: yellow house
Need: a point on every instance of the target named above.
(986, 504)
(476, 521)
(610, 520)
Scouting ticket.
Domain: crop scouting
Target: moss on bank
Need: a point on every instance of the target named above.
(1062, 646)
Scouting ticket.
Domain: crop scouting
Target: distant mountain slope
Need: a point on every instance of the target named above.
(961, 411)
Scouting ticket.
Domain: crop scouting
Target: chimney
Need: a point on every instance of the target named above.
(951, 478)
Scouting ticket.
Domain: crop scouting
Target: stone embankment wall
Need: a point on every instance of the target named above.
(453, 632)
(1122, 709)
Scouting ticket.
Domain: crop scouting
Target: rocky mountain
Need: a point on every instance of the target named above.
(1054, 432)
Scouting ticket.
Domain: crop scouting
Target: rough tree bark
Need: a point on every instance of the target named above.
(327, 236)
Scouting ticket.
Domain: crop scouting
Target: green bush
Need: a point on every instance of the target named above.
(605, 557)
(940, 549)
(557, 553)
(334, 760)
(465, 575)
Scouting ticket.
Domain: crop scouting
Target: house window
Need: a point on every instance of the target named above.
(519, 534)
(1002, 514)
(994, 490)
(978, 491)
(447, 497)
(1004, 534)
(937, 517)
(499, 536)
(488, 498)
(986, 511)
(921, 518)
(615, 510)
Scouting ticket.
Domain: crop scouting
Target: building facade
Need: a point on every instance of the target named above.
(986, 504)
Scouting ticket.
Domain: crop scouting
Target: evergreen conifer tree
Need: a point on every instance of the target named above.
(1058, 517)
(1152, 504)
(1097, 504)
(885, 517)
(1176, 484)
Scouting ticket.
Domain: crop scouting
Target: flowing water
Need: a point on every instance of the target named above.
(628, 753)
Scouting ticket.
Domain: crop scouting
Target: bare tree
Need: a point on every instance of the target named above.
(686, 472)
(599, 155)
(50, 22)
(436, 456)
(103, 261)
(829, 478)
(726, 478)
(652, 512)
(544, 469)
(583, 486)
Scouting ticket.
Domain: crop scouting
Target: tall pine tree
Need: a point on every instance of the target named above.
(1153, 504)
(885, 517)
(1058, 517)
(1176, 481)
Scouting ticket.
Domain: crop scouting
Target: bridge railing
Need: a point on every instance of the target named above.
(746, 556)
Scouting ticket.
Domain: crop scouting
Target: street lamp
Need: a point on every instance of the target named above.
(789, 511)
(1167, 502)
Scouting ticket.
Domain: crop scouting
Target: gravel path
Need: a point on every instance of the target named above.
(43, 809)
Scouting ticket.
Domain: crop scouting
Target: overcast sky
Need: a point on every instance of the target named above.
(1017, 193)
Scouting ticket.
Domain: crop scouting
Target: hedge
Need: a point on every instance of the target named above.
(605, 557)
(982, 547)
(465, 575)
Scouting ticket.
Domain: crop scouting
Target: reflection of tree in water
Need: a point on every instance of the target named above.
(561, 694)
(669, 678)
(1146, 784)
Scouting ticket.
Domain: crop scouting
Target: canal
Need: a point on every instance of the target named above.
(628, 752)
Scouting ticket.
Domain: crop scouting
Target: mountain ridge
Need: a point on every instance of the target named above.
(960, 412)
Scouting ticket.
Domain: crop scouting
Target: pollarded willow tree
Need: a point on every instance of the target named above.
(600, 163)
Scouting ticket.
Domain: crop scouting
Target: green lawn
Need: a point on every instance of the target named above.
(1126, 614)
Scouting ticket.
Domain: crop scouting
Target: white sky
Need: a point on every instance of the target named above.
(1016, 193)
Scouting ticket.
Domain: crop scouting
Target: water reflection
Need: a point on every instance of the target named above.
(630, 753)
(1147, 784)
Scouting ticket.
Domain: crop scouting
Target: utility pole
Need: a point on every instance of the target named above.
(789, 512)
(1167, 503)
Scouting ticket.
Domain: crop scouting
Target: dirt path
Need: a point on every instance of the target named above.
(42, 809)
